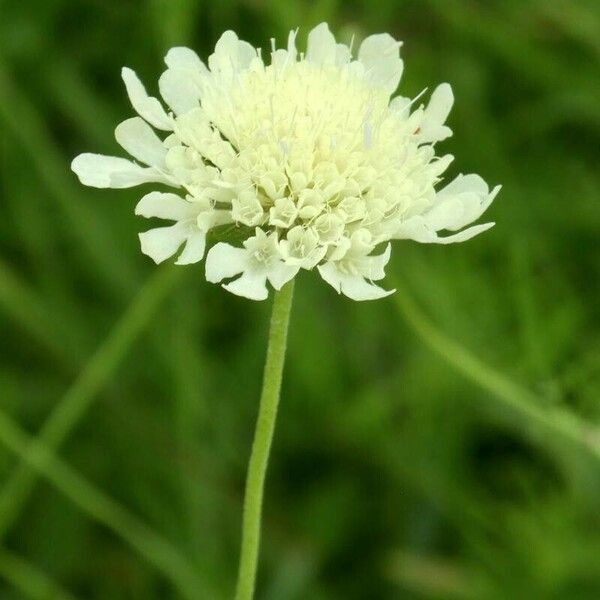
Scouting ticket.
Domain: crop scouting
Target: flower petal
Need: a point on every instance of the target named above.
(138, 138)
(194, 129)
(252, 285)
(343, 55)
(231, 54)
(465, 234)
(97, 170)
(161, 243)
(416, 228)
(460, 203)
(194, 249)
(435, 115)
(180, 89)
(321, 48)
(353, 286)
(280, 273)
(224, 260)
(401, 105)
(446, 214)
(146, 106)
(181, 57)
(357, 288)
(474, 195)
(380, 55)
(377, 263)
(465, 183)
(165, 206)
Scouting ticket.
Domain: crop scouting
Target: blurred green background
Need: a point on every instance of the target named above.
(443, 443)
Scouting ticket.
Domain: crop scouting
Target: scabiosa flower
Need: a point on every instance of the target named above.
(308, 159)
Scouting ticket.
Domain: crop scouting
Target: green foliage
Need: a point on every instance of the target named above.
(441, 444)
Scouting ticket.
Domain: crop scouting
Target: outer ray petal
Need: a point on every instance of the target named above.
(251, 285)
(181, 89)
(353, 286)
(100, 171)
(138, 138)
(146, 106)
(231, 54)
(162, 242)
(465, 234)
(417, 229)
(435, 115)
(357, 288)
(321, 48)
(380, 55)
(181, 57)
(224, 261)
(194, 249)
(165, 206)
(343, 55)
(376, 264)
(281, 273)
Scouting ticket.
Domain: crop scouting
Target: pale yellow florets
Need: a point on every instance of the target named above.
(307, 152)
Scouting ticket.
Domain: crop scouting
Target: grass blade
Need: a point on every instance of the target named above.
(95, 503)
(78, 399)
(29, 580)
(20, 116)
(23, 306)
(538, 423)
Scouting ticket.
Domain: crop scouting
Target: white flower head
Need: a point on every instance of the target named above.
(306, 156)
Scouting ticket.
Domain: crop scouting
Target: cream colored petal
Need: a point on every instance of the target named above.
(280, 274)
(446, 214)
(343, 55)
(100, 171)
(380, 55)
(357, 288)
(181, 57)
(460, 203)
(465, 234)
(224, 261)
(401, 105)
(165, 206)
(163, 242)
(465, 183)
(138, 138)
(180, 89)
(432, 125)
(376, 264)
(251, 285)
(353, 286)
(231, 54)
(193, 250)
(417, 229)
(147, 107)
(321, 48)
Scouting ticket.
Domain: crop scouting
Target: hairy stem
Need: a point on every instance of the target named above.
(263, 436)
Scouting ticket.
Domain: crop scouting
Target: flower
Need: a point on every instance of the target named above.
(306, 156)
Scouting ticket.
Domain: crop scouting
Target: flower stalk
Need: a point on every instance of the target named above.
(261, 446)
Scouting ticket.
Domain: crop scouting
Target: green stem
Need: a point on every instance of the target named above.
(263, 436)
